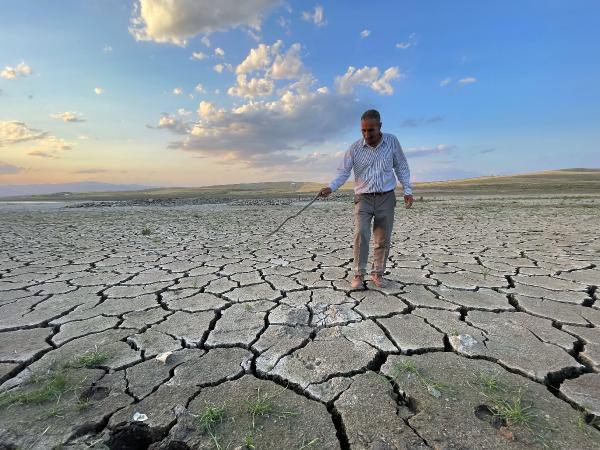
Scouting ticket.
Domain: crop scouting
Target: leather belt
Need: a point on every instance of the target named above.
(377, 193)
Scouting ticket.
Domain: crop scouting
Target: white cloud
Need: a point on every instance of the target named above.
(287, 66)
(98, 91)
(198, 56)
(445, 82)
(365, 33)
(219, 68)
(368, 76)
(177, 91)
(416, 152)
(15, 132)
(174, 22)
(68, 116)
(107, 49)
(205, 40)
(317, 17)
(467, 80)
(412, 41)
(255, 87)
(292, 121)
(183, 112)
(258, 59)
(219, 51)
(173, 124)
(22, 70)
(199, 88)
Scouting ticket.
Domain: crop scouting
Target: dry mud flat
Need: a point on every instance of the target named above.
(486, 336)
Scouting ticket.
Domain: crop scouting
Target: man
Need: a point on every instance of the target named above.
(375, 159)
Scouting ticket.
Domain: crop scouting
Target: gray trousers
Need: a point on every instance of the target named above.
(380, 210)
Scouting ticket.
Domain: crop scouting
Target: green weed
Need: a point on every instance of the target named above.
(50, 387)
(263, 405)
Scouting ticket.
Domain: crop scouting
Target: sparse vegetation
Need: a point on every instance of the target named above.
(146, 231)
(48, 388)
(209, 419)
(514, 411)
(309, 445)
(262, 405)
(89, 360)
(249, 443)
(407, 368)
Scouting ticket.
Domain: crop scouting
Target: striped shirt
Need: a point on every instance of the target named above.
(374, 167)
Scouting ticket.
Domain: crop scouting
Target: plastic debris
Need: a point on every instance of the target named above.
(279, 262)
(139, 417)
(163, 357)
(433, 391)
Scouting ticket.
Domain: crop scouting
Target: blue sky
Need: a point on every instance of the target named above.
(111, 90)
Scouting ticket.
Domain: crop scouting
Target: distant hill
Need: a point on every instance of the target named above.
(553, 182)
(65, 189)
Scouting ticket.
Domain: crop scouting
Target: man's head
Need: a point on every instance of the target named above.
(370, 126)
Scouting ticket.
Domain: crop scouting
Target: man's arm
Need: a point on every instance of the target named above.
(343, 171)
(403, 173)
(401, 168)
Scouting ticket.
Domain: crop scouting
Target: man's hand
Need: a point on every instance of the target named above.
(325, 192)
(408, 201)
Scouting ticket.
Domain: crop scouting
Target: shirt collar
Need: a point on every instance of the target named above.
(364, 144)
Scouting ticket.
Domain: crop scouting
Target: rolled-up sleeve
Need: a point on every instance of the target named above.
(343, 171)
(401, 168)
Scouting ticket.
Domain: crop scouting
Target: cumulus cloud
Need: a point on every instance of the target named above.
(107, 49)
(174, 22)
(219, 68)
(172, 123)
(317, 17)
(22, 70)
(200, 89)
(258, 58)
(255, 87)
(416, 152)
(15, 132)
(6, 169)
(467, 80)
(68, 116)
(205, 40)
(365, 33)
(290, 122)
(98, 91)
(198, 56)
(287, 66)
(177, 91)
(219, 51)
(368, 76)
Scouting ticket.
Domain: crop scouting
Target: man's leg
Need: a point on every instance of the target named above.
(383, 224)
(363, 214)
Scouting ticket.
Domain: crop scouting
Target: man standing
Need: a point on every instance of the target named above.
(375, 159)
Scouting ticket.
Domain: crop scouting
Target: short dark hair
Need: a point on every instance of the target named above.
(371, 114)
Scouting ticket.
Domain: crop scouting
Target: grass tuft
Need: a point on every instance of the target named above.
(89, 360)
(49, 387)
(514, 411)
(209, 419)
(263, 405)
(146, 231)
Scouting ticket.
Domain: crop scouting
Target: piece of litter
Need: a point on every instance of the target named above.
(279, 262)
(433, 391)
(139, 417)
(163, 357)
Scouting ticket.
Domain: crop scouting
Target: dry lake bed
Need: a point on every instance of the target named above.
(180, 327)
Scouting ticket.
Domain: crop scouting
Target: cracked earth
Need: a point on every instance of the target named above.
(181, 328)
